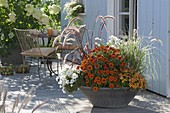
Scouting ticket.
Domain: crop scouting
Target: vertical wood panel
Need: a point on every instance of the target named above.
(157, 55)
(164, 37)
(168, 54)
(95, 8)
(153, 17)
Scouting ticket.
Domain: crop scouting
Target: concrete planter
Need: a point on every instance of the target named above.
(109, 98)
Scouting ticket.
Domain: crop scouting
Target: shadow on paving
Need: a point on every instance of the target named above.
(47, 89)
(128, 109)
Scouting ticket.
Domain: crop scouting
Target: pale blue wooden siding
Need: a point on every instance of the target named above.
(63, 14)
(92, 10)
(153, 18)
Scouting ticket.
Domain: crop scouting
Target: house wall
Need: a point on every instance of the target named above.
(153, 21)
(93, 8)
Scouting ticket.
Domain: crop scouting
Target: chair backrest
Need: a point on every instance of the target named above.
(31, 43)
(26, 39)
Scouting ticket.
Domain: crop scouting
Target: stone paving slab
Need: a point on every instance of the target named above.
(48, 90)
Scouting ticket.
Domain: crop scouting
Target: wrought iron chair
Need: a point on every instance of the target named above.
(30, 45)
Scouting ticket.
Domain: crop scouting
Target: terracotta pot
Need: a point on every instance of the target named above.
(109, 98)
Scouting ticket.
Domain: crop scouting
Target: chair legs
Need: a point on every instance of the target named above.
(49, 66)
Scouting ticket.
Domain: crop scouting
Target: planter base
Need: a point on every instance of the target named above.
(109, 98)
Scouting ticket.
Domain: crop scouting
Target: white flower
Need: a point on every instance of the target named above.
(57, 78)
(98, 41)
(21, 3)
(4, 3)
(2, 37)
(63, 90)
(72, 81)
(69, 73)
(113, 40)
(37, 14)
(54, 9)
(45, 19)
(30, 9)
(67, 82)
(74, 76)
(11, 35)
(12, 17)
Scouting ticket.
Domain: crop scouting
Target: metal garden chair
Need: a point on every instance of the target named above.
(30, 45)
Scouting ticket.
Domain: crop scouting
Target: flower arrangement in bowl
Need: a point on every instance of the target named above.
(109, 74)
(106, 66)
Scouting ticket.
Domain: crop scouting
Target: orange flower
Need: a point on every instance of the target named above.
(78, 67)
(111, 85)
(116, 51)
(87, 85)
(107, 72)
(99, 71)
(90, 67)
(115, 79)
(111, 65)
(97, 78)
(113, 56)
(117, 85)
(122, 64)
(111, 78)
(103, 80)
(95, 88)
(83, 68)
(86, 76)
(91, 76)
(119, 57)
(105, 59)
(112, 72)
(97, 66)
(95, 81)
(93, 61)
(99, 82)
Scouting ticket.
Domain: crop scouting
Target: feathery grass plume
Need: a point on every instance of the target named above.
(15, 108)
(79, 36)
(26, 99)
(39, 106)
(4, 92)
(15, 103)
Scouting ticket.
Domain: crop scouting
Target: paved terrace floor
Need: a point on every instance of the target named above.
(58, 102)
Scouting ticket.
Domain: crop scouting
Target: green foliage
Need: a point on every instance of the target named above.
(13, 14)
(73, 8)
(22, 68)
(7, 70)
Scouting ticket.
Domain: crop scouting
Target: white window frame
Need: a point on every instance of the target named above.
(114, 10)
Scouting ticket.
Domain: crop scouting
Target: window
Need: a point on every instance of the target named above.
(125, 15)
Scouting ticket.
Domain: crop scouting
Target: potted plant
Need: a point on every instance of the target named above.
(7, 70)
(22, 68)
(108, 74)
